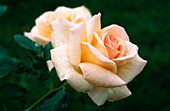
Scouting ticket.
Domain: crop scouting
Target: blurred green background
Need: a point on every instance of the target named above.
(146, 22)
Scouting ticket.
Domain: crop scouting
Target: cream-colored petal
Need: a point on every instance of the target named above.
(29, 35)
(98, 44)
(83, 12)
(43, 23)
(36, 37)
(131, 68)
(41, 40)
(111, 51)
(130, 51)
(93, 25)
(98, 95)
(76, 36)
(99, 76)
(50, 65)
(46, 17)
(61, 31)
(117, 31)
(78, 13)
(65, 70)
(92, 55)
(117, 93)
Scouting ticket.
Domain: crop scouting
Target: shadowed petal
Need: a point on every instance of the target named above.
(50, 65)
(117, 93)
(74, 44)
(98, 95)
(131, 68)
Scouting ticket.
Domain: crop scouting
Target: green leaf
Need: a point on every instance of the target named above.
(26, 43)
(46, 51)
(3, 9)
(5, 66)
(44, 76)
(39, 64)
(12, 91)
(55, 78)
(54, 102)
(3, 51)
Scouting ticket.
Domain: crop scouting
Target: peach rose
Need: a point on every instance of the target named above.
(97, 61)
(41, 32)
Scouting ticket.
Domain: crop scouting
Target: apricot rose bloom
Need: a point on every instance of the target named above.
(97, 61)
(41, 32)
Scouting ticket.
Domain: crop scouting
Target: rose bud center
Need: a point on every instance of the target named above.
(114, 45)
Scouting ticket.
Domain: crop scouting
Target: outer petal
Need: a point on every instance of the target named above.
(79, 12)
(117, 93)
(76, 35)
(65, 70)
(93, 26)
(61, 31)
(99, 76)
(36, 37)
(43, 23)
(98, 95)
(130, 51)
(50, 65)
(131, 68)
(83, 12)
(98, 44)
(117, 31)
(92, 55)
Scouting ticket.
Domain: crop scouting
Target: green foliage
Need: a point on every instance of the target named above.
(5, 68)
(25, 42)
(12, 91)
(54, 102)
(46, 51)
(3, 9)
(55, 78)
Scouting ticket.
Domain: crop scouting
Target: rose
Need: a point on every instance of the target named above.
(41, 32)
(97, 61)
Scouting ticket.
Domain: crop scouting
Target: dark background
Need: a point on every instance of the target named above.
(147, 24)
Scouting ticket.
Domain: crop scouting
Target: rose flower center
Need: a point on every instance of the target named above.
(114, 45)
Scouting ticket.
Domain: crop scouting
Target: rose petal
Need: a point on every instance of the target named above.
(93, 25)
(50, 65)
(117, 93)
(43, 23)
(131, 68)
(98, 44)
(61, 31)
(65, 70)
(130, 51)
(74, 44)
(117, 31)
(79, 12)
(83, 12)
(36, 37)
(98, 95)
(99, 76)
(92, 55)
(112, 52)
